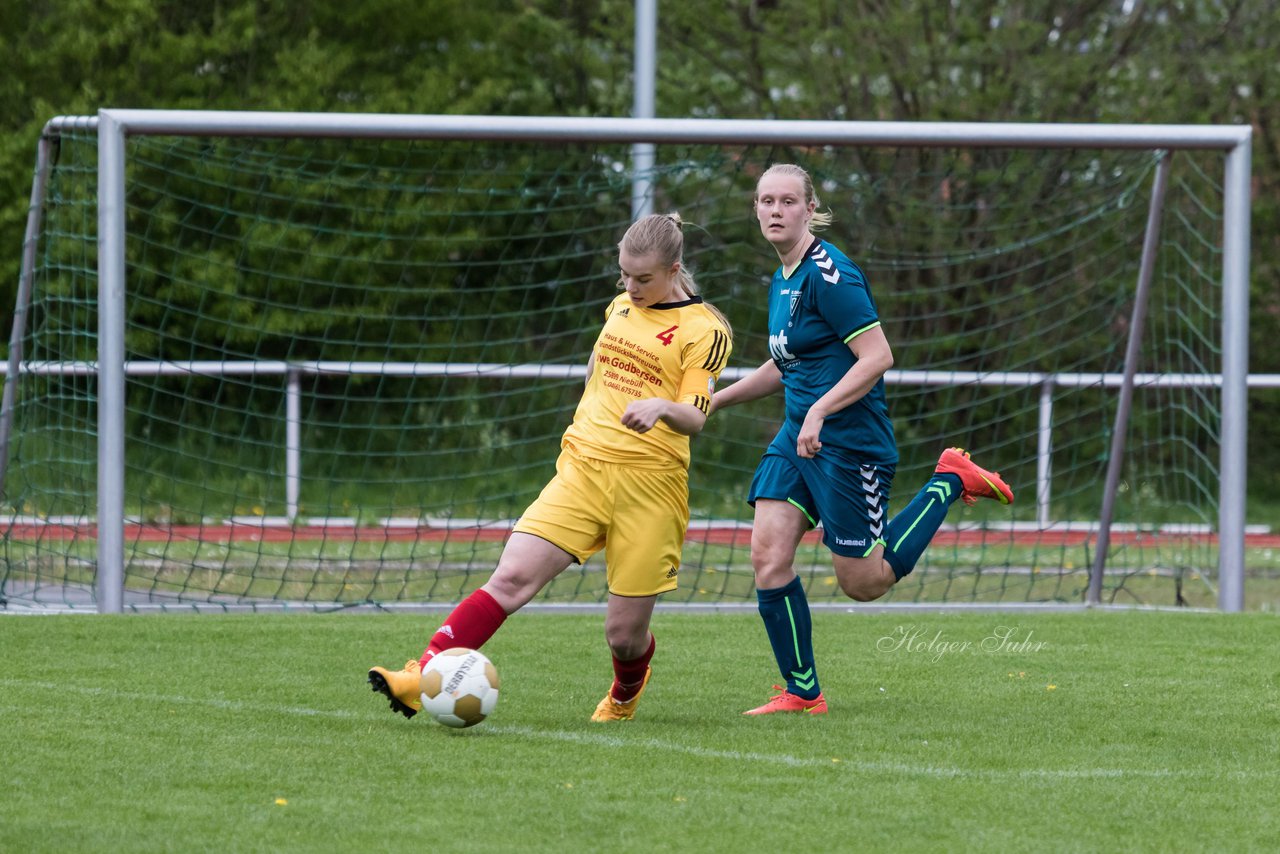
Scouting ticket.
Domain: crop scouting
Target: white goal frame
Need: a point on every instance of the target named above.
(114, 125)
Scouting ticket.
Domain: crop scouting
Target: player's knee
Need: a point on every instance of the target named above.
(626, 641)
(511, 588)
(860, 590)
(865, 583)
(772, 568)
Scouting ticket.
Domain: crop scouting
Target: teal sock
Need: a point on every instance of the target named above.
(909, 533)
(785, 611)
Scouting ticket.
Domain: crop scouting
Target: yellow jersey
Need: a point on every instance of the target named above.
(675, 351)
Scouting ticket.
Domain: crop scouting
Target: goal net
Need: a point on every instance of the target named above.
(348, 362)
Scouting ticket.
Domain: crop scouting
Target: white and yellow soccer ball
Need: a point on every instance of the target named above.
(459, 687)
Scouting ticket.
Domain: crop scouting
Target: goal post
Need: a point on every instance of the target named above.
(721, 154)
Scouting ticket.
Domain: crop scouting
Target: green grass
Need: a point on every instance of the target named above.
(1136, 731)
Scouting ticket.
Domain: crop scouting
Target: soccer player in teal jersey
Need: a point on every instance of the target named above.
(833, 459)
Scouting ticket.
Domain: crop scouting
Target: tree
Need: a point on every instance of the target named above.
(1179, 61)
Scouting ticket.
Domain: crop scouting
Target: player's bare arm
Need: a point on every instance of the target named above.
(762, 382)
(874, 358)
(684, 418)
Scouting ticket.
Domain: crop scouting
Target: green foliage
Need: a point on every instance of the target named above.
(1186, 62)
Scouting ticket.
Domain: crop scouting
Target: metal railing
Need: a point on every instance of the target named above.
(294, 372)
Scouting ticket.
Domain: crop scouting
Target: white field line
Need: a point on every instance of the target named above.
(656, 744)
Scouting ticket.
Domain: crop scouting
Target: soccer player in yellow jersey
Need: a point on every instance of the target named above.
(621, 481)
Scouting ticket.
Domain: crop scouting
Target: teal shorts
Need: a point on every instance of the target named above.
(850, 498)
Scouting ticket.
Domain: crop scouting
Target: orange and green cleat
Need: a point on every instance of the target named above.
(788, 702)
(402, 687)
(610, 709)
(976, 482)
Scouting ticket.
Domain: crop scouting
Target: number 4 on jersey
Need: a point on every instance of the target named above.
(666, 336)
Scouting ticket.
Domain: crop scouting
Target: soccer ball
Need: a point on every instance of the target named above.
(459, 687)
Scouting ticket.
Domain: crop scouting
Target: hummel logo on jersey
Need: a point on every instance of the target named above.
(871, 490)
(825, 263)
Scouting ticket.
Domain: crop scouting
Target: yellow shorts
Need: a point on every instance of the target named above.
(638, 516)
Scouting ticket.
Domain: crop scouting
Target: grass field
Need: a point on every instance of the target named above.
(1096, 731)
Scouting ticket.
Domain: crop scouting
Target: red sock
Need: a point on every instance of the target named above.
(469, 625)
(628, 676)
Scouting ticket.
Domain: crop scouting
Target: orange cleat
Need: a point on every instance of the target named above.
(788, 702)
(610, 709)
(401, 687)
(976, 482)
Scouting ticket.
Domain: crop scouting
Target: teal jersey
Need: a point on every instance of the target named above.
(813, 316)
